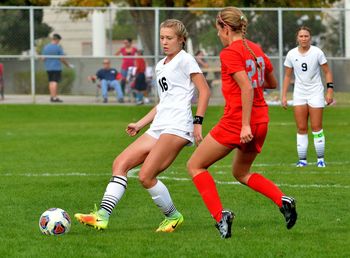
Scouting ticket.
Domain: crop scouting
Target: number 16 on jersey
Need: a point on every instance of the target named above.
(162, 83)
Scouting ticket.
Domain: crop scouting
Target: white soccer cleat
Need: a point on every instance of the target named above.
(301, 163)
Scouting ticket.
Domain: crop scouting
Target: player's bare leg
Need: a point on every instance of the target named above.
(160, 157)
(131, 157)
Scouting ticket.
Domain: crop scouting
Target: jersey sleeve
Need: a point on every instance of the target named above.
(287, 62)
(233, 61)
(190, 65)
(321, 58)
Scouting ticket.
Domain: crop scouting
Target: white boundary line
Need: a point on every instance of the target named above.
(133, 174)
(286, 165)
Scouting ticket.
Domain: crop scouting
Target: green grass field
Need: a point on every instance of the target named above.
(61, 156)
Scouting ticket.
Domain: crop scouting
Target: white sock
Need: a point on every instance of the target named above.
(302, 143)
(162, 199)
(319, 141)
(114, 192)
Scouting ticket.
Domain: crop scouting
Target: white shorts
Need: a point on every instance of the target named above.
(183, 134)
(313, 100)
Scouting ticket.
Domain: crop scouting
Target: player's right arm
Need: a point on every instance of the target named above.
(133, 128)
(286, 81)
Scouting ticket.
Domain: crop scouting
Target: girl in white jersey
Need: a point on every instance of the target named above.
(172, 128)
(308, 96)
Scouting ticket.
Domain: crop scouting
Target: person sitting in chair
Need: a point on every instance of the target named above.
(108, 79)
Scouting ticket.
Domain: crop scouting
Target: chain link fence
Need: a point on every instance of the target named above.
(91, 34)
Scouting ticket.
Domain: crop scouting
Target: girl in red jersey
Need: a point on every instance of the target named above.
(245, 72)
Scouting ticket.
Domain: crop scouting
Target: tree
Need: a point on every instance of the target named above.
(14, 26)
(262, 27)
(199, 23)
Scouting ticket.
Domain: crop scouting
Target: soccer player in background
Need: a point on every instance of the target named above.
(308, 96)
(172, 128)
(245, 72)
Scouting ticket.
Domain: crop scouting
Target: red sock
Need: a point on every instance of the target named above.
(206, 187)
(266, 187)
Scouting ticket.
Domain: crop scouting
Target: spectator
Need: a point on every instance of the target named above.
(203, 64)
(108, 79)
(127, 50)
(53, 65)
(140, 78)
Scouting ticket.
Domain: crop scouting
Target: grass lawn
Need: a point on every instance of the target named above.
(61, 156)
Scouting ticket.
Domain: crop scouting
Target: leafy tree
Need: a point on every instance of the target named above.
(124, 26)
(14, 26)
(262, 27)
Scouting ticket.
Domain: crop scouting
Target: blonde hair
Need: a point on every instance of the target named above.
(179, 28)
(233, 18)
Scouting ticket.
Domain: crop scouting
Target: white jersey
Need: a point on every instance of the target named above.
(175, 90)
(306, 68)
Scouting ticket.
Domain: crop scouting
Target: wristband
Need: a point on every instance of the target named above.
(330, 85)
(198, 120)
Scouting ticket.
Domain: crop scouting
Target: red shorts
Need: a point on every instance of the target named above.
(231, 137)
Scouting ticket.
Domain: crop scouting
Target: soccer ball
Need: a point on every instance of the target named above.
(54, 221)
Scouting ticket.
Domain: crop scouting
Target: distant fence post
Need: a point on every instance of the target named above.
(32, 52)
(156, 36)
(347, 28)
(280, 49)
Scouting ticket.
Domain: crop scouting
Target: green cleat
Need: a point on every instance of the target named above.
(94, 219)
(170, 224)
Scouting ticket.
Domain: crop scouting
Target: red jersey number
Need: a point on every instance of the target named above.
(257, 81)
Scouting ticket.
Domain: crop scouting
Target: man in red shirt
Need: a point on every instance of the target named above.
(245, 72)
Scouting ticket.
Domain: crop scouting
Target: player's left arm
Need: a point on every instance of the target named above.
(329, 80)
(247, 95)
(204, 94)
(270, 81)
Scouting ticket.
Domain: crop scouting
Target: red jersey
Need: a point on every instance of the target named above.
(140, 65)
(235, 58)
